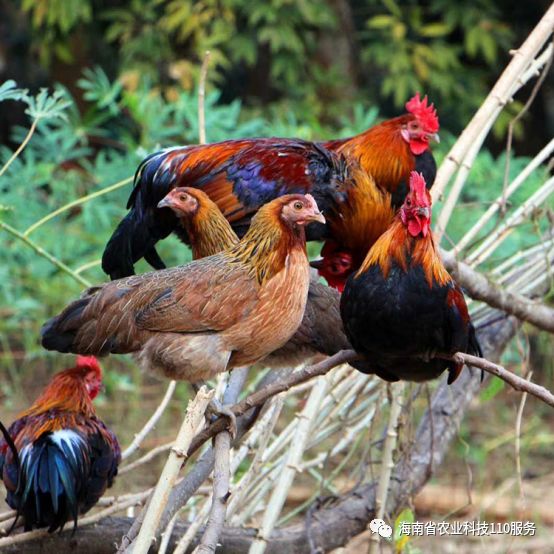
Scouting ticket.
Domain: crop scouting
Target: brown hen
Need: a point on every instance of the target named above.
(211, 315)
(321, 330)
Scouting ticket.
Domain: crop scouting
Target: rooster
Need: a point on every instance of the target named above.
(402, 308)
(242, 175)
(211, 315)
(320, 332)
(58, 458)
(387, 154)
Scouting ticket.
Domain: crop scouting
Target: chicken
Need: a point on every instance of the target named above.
(387, 153)
(402, 307)
(211, 315)
(242, 175)
(58, 458)
(208, 232)
(320, 332)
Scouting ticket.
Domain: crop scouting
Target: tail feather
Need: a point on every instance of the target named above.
(137, 234)
(59, 332)
(53, 474)
(134, 238)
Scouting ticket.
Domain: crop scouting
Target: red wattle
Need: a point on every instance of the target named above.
(418, 146)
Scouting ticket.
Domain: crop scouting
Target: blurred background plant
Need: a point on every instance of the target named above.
(120, 80)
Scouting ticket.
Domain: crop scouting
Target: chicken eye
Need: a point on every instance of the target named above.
(298, 205)
(408, 202)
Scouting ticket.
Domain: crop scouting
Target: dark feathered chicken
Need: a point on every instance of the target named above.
(62, 457)
(402, 307)
(240, 176)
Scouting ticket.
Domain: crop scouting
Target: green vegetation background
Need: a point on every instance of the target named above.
(122, 82)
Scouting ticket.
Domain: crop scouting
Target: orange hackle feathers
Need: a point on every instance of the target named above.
(362, 218)
(400, 243)
(382, 153)
(71, 390)
(269, 241)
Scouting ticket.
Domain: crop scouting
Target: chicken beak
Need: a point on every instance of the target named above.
(434, 137)
(317, 264)
(165, 202)
(317, 216)
(424, 212)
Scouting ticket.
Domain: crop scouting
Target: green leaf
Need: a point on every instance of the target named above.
(45, 106)
(433, 30)
(380, 22)
(8, 91)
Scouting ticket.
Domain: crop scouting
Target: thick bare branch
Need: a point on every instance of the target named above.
(480, 288)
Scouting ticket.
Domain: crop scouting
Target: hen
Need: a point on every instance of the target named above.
(211, 315)
(209, 232)
(58, 458)
(402, 307)
(242, 175)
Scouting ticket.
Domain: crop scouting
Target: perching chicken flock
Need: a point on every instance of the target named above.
(246, 208)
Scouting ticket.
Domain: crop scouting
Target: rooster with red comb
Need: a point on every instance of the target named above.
(402, 308)
(387, 153)
(57, 458)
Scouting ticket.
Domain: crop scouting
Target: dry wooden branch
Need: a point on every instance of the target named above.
(201, 98)
(387, 462)
(193, 418)
(500, 94)
(210, 538)
(512, 379)
(291, 465)
(260, 396)
(480, 288)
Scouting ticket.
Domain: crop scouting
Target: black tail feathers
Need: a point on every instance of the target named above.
(134, 238)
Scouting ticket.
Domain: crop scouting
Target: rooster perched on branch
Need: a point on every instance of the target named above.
(241, 175)
(211, 315)
(209, 232)
(401, 308)
(58, 458)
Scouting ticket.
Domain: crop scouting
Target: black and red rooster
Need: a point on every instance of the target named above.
(58, 458)
(401, 308)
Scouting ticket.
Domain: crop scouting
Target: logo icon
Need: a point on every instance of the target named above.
(379, 526)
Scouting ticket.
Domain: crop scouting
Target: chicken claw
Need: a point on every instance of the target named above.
(217, 409)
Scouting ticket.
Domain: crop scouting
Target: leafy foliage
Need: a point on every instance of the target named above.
(280, 49)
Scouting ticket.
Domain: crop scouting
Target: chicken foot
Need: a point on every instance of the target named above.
(216, 409)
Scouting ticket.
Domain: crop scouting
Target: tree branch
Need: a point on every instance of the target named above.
(193, 418)
(333, 525)
(515, 381)
(480, 288)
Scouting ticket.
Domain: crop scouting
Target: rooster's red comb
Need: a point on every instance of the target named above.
(90, 363)
(426, 114)
(418, 189)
